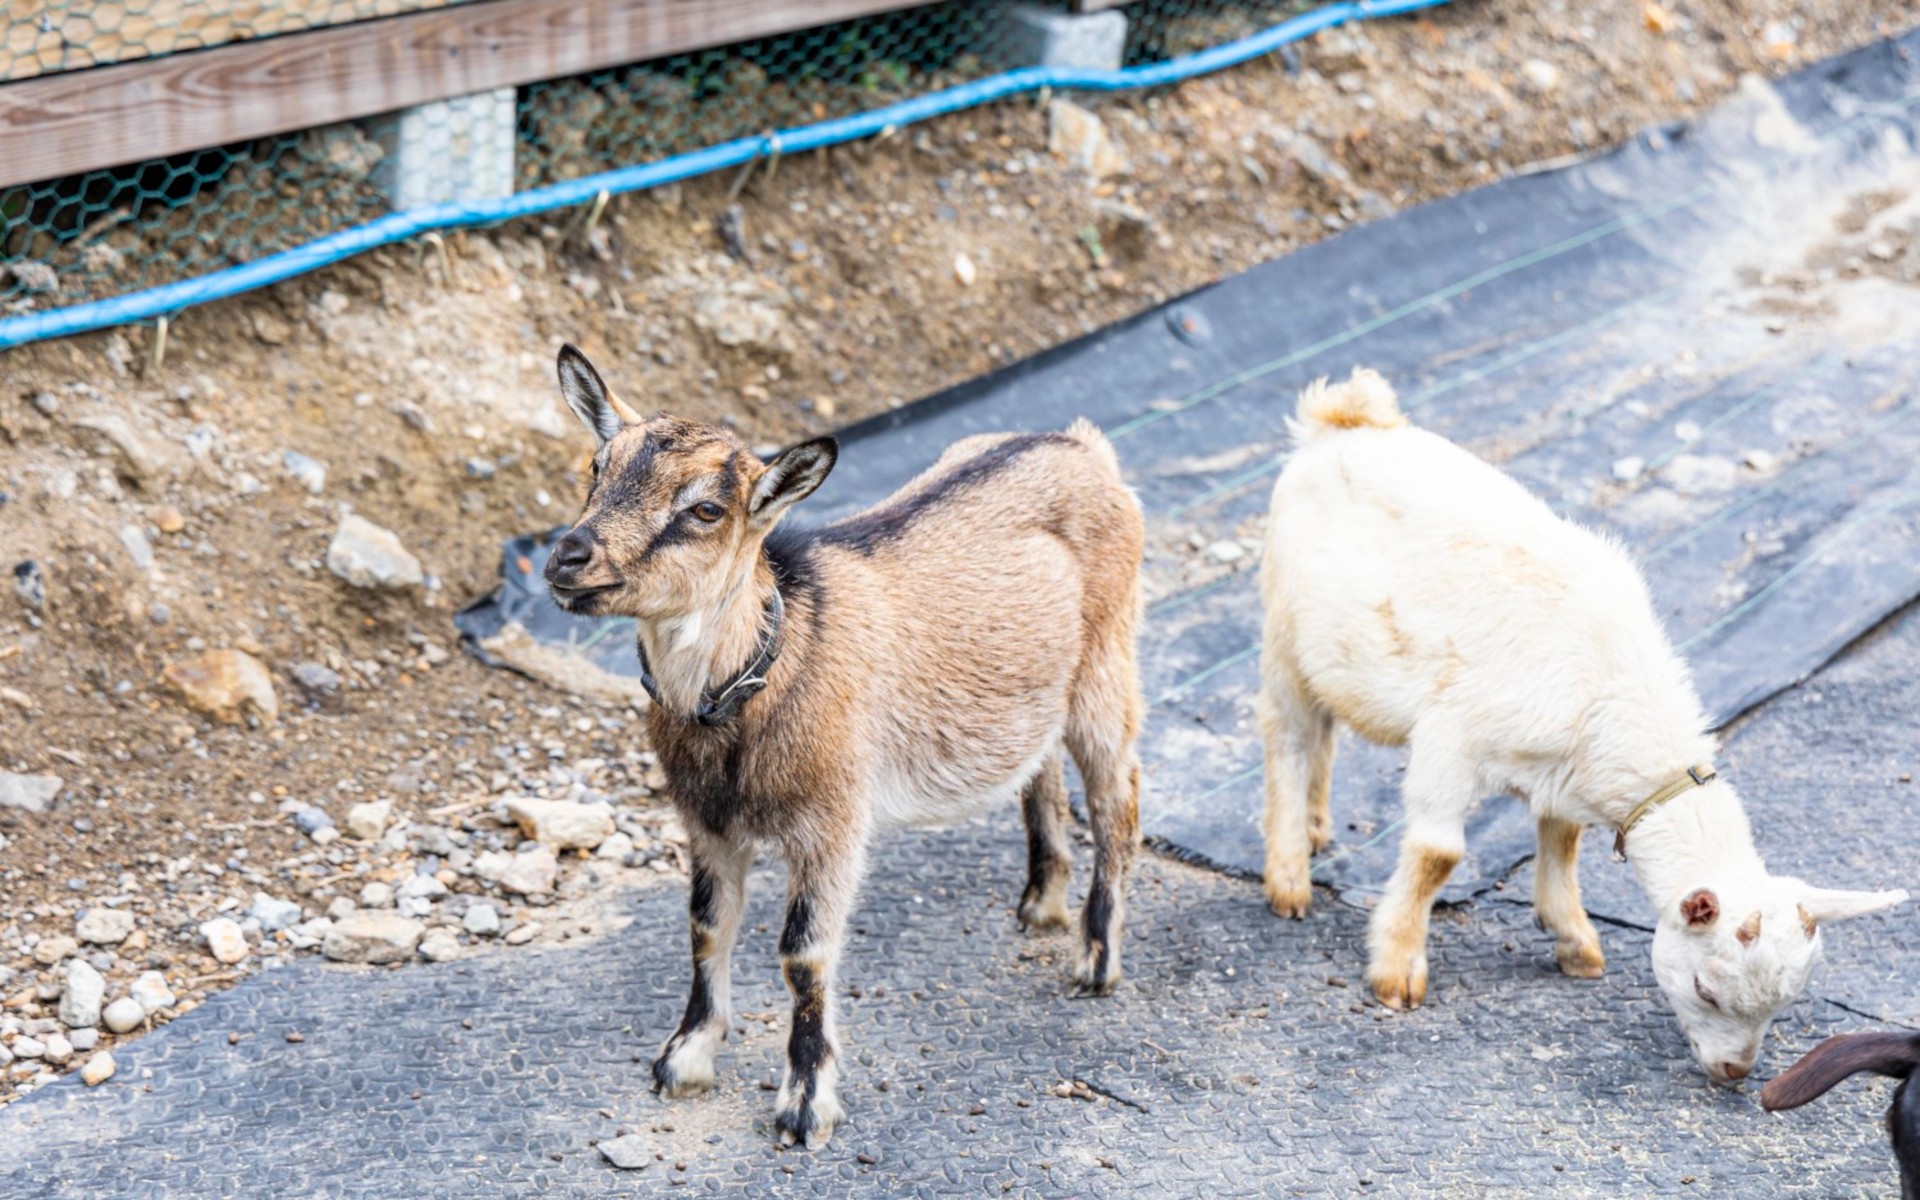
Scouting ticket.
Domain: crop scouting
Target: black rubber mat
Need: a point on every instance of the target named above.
(1237, 1059)
(1703, 302)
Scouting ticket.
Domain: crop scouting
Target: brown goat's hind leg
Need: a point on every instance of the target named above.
(1049, 858)
(819, 898)
(715, 901)
(1102, 722)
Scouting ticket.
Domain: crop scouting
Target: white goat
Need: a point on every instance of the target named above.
(1425, 598)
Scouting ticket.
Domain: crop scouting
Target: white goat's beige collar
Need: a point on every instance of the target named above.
(1698, 775)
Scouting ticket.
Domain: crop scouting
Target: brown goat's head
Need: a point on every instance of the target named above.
(677, 510)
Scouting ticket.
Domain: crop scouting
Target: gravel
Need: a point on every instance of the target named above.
(82, 994)
(104, 926)
(125, 1015)
(225, 940)
(372, 937)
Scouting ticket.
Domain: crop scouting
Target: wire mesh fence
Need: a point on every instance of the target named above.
(123, 229)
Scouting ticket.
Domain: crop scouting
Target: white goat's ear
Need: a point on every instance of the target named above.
(590, 399)
(791, 477)
(1830, 904)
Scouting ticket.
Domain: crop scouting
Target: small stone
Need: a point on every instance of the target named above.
(309, 473)
(482, 920)
(225, 940)
(440, 945)
(1687, 431)
(628, 1152)
(318, 682)
(312, 819)
(1080, 137)
(525, 873)
(421, 887)
(964, 270)
(341, 907)
(1542, 75)
(138, 548)
(30, 792)
(615, 848)
(1696, 474)
(367, 556)
(1626, 470)
(522, 934)
(152, 992)
(1759, 460)
(104, 926)
(98, 1070)
(562, 824)
(225, 685)
(168, 519)
(273, 913)
(372, 937)
(124, 1015)
(28, 1047)
(59, 1051)
(49, 951)
(369, 820)
(376, 895)
(84, 1039)
(82, 995)
(1881, 250)
(1225, 551)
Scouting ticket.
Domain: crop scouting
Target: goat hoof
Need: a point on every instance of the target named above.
(678, 1081)
(1289, 899)
(1039, 914)
(809, 1125)
(1319, 836)
(1400, 987)
(1092, 977)
(1580, 960)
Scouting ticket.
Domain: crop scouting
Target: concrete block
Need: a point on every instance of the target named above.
(450, 151)
(1041, 37)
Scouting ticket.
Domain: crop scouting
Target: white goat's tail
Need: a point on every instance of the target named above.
(1364, 401)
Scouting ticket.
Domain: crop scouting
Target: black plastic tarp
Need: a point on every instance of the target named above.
(1702, 341)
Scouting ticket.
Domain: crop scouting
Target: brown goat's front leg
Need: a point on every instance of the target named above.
(819, 898)
(1049, 859)
(716, 899)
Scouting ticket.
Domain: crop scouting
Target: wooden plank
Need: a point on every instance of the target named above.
(41, 39)
(63, 124)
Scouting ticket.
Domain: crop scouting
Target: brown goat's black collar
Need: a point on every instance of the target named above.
(718, 705)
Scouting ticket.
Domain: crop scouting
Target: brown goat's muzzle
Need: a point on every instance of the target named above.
(577, 571)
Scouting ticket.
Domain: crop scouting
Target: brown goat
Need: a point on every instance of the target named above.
(908, 665)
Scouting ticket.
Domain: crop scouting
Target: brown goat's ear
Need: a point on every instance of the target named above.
(1700, 909)
(791, 477)
(590, 398)
(1749, 931)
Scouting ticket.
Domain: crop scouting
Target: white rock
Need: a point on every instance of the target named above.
(1760, 460)
(1628, 469)
(58, 1049)
(369, 820)
(139, 549)
(152, 992)
(440, 945)
(124, 1015)
(1687, 431)
(376, 895)
(28, 1047)
(964, 270)
(225, 940)
(31, 792)
(616, 847)
(104, 926)
(562, 824)
(82, 995)
(48, 951)
(98, 1070)
(482, 920)
(1080, 137)
(372, 937)
(308, 934)
(421, 887)
(273, 913)
(525, 873)
(1543, 75)
(629, 1152)
(309, 473)
(367, 556)
(1225, 551)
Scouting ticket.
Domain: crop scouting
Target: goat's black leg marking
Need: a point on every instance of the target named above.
(809, 1105)
(715, 901)
(1049, 859)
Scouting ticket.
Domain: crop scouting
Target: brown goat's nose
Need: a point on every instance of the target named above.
(570, 555)
(1734, 1071)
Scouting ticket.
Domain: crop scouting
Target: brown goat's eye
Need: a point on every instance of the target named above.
(708, 511)
(1700, 990)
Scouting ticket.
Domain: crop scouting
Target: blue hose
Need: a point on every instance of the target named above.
(171, 298)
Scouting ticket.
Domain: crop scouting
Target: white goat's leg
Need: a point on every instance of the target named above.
(1438, 792)
(1556, 900)
(1298, 739)
(1049, 858)
(716, 898)
(825, 882)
